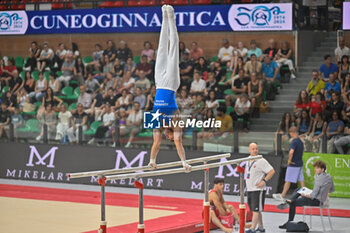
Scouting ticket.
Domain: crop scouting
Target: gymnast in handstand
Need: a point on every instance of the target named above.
(167, 80)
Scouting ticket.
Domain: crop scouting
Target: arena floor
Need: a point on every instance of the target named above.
(41, 207)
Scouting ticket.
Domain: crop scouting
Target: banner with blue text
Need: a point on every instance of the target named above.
(257, 17)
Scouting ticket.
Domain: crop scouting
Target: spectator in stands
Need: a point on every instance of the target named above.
(79, 72)
(271, 51)
(28, 83)
(283, 128)
(225, 52)
(120, 116)
(239, 86)
(207, 132)
(16, 120)
(254, 49)
(238, 65)
(108, 118)
(109, 51)
(211, 85)
(9, 74)
(182, 50)
(339, 143)
(49, 98)
(133, 123)
(5, 119)
(130, 66)
(242, 51)
(253, 66)
(45, 59)
(97, 57)
(10, 100)
(186, 69)
(108, 82)
(198, 84)
(34, 54)
(184, 103)
(226, 123)
(202, 67)
(345, 90)
(242, 107)
(317, 105)
(97, 104)
(79, 118)
(340, 51)
(334, 131)
(124, 100)
(328, 68)
(109, 98)
(75, 50)
(318, 130)
(107, 67)
(334, 105)
(212, 103)
(48, 117)
(143, 83)
(67, 69)
(283, 57)
(118, 68)
(304, 125)
(54, 84)
(331, 86)
(64, 119)
(150, 99)
(316, 84)
(220, 73)
(196, 52)
(84, 98)
(59, 56)
(127, 82)
(144, 66)
(40, 88)
(15, 84)
(148, 51)
(91, 84)
(22, 96)
(198, 107)
(301, 104)
(123, 52)
(271, 76)
(343, 68)
(140, 98)
(255, 91)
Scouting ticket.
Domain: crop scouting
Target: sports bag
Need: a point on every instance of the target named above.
(297, 227)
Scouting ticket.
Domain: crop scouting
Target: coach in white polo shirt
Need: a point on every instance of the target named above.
(258, 173)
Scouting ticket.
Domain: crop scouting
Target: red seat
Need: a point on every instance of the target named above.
(60, 5)
(163, 2)
(133, 3)
(180, 2)
(118, 4)
(201, 2)
(17, 5)
(106, 4)
(147, 2)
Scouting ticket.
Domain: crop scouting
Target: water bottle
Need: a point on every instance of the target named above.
(236, 227)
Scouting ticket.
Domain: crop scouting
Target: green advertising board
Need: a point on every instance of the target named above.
(338, 166)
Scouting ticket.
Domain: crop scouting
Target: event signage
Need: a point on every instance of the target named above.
(53, 163)
(338, 166)
(148, 19)
(346, 15)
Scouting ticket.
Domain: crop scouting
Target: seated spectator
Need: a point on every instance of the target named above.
(283, 128)
(48, 117)
(225, 52)
(150, 99)
(340, 51)
(344, 140)
(202, 67)
(140, 98)
(127, 82)
(54, 84)
(10, 100)
(143, 83)
(345, 87)
(34, 54)
(17, 121)
(346, 111)
(130, 66)
(238, 65)
(15, 84)
(75, 51)
(9, 74)
(124, 100)
(108, 119)
(28, 83)
(212, 103)
(108, 82)
(148, 51)
(304, 125)
(118, 68)
(144, 66)
(271, 51)
(301, 104)
(123, 52)
(331, 86)
(184, 103)
(79, 118)
(198, 84)
(40, 88)
(316, 84)
(97, 57)
(328, 68)
(254, 50)
(84, 98)
(67, 69)
(59, 56)
(239, 86)
(212, 85)
(45, 59)
(253, 66)
(242, 51)
(109, 51)
(242, 107)
(271, 75)
(49, 98)
(207, 132)
(334, 105)
(198, 107)
(196, 52)
(220, 73)
(186, 69)
(317, 105)
(109, 98)
(5, 119)
(28, 106)
(133, 124)
(182, 50)
(79, 72)
(91, 84)
(64, 118)
(283, 57)
(21, 98)
(226, 122)
(343, 68)
(319, 127)
(255, 91)
(334, 131)
(107, 67)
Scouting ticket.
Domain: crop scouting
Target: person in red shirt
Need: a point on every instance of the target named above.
(9, 73)
(301, 103)
(195, 51)
(317, 105)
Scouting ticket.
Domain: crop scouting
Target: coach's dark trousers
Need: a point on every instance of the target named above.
(297, 200)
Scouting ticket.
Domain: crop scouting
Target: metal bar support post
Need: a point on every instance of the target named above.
(206, 203)
(241, 205)
(141, 225)
(103, 226)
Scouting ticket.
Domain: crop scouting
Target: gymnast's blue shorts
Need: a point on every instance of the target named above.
(165, 101)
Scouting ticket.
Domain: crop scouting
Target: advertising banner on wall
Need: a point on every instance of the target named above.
(346, 15)
(338, 166)
(255, 17)
(52, 163)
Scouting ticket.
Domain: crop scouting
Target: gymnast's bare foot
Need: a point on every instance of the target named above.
(152, 165)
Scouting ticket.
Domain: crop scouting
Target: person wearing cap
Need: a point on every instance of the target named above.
(225, 52)
(123, 52)
(254, 49)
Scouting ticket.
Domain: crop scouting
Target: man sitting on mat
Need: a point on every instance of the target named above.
(167, 80)
(218, 207)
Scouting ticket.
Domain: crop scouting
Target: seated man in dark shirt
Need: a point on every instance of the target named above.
(271, 51)
(144, 66)
(5, 119)
(123, 52)
(186, 70)
(239, 85)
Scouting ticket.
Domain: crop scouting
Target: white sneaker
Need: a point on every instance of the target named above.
(128, 145)
(92, 140)
(38, 138)
(26, 68)
(278, 197)
(293, 76)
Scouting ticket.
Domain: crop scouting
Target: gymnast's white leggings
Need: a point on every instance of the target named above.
(167, 63)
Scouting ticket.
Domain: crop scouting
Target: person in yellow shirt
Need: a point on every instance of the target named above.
(226, 122)
(316, 84)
